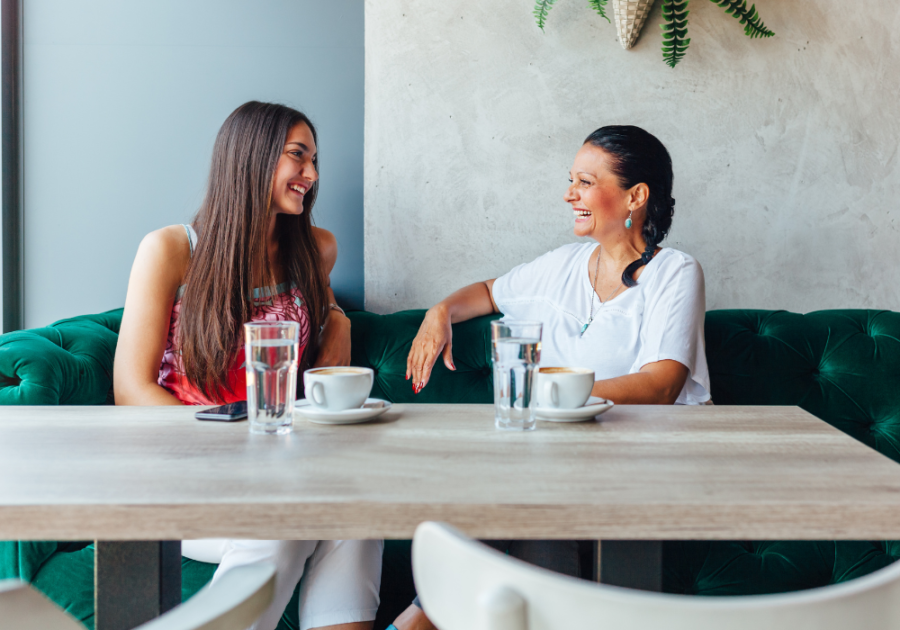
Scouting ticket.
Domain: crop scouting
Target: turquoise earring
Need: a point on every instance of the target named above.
(628, 220)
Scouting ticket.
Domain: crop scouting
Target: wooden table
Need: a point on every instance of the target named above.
(640, 474)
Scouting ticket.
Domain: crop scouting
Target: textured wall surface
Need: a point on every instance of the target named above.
(122, 103)
(785, 150)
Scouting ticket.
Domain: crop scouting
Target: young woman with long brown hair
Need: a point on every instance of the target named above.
(251, 254)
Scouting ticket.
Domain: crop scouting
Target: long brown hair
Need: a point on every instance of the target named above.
(231, 256)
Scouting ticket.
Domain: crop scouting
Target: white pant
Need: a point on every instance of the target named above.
(340, 583)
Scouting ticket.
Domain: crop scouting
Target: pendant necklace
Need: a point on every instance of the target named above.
(593, 293)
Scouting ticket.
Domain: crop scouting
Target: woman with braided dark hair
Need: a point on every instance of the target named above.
(627, 309)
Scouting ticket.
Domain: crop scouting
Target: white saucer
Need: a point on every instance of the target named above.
(372, 408)
(592, 408)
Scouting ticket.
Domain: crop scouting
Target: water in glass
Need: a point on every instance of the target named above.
(516, 357)
(271, 354)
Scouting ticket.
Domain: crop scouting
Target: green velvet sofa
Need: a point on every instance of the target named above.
(842, 366)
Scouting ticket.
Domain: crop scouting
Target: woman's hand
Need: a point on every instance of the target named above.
(334, 348)
(435, 335)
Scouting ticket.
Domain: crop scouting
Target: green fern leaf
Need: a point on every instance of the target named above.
(675, 30)
(600, 7)
(749, 18)
(541, 9)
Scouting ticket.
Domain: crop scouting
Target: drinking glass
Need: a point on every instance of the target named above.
(271, 358)
(516, 353)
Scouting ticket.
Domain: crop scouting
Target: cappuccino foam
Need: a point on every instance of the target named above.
(563, 370)
(339, 370)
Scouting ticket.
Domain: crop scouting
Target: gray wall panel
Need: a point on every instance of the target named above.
(122, 104)
(784, 149)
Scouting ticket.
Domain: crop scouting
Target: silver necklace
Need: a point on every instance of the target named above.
(594, 293)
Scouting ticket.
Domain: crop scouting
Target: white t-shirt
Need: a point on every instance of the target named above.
(661, 318)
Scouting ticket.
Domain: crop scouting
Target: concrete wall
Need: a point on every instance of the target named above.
(122, 103)
(785, 150)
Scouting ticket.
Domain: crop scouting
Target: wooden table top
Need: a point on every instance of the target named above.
(647, 473)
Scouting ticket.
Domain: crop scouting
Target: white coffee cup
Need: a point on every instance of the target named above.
(563, 388)
(338, 388)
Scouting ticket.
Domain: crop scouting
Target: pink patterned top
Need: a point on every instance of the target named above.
(279, 303)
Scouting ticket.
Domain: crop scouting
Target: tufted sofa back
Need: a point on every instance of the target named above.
(842, 366)
(382, 343)
(66, 363)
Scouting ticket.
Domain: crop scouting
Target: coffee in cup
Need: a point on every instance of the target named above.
(338, 388)
(563, 387)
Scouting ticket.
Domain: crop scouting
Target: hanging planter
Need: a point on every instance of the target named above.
(630, 16)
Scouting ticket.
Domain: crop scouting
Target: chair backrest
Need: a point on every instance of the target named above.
(25, 608)
(464, 585)
(233, 602)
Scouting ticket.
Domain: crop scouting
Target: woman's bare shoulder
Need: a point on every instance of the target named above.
(167, 251)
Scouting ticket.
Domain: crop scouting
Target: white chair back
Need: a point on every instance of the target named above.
(234, 602)
(25, 608)
(464, 585)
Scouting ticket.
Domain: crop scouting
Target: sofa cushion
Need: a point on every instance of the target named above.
(67, 363)
(23, 559)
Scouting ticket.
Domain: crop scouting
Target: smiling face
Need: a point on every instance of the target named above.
(296, 171)
(600, 204)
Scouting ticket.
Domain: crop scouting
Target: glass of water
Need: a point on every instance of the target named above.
(271, 350)
(516, 349)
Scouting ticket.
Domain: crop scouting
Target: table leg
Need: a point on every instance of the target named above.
(630, 563)
(135, 581)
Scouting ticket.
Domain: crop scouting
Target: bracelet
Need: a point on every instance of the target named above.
(337, 308)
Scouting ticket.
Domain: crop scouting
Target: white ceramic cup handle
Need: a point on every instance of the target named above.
(317, 393)
(550, 395)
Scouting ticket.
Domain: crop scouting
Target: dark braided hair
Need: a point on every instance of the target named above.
(638, 157)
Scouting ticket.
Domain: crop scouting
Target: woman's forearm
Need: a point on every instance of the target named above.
(469, 302)
(631, 389)
(148, 394)
(657, 383)
(334, 339)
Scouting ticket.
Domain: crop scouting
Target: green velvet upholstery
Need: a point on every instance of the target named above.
(842, 366)
(382, 343)
(66, 363)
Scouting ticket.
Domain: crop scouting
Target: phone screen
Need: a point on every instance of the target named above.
(231, 412)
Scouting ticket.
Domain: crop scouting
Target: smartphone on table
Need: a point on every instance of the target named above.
(232, 412)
